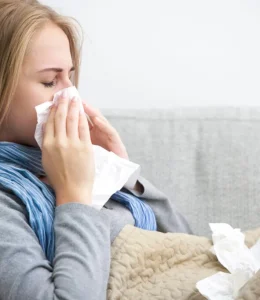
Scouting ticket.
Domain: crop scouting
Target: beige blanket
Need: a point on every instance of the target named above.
(153, 265)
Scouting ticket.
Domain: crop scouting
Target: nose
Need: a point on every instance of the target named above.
(67, 83)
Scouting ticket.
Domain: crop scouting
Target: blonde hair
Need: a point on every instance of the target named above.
(19, 21)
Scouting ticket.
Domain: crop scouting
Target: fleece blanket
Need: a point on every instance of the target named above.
(154, 265)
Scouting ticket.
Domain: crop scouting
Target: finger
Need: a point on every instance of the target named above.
(83, 128)
(92, 112)
(61, 117)
(106, 128)
(73, 119)
(49, 128)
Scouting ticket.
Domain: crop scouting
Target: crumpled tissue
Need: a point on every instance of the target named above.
(231, 251)
(111, 171)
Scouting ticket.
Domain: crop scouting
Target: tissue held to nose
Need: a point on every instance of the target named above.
(111, 171)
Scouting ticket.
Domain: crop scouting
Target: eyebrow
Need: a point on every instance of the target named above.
(58, 70)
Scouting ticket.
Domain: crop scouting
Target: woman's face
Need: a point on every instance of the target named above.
(47, 68)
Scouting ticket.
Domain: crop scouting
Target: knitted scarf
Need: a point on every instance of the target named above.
(20, 167)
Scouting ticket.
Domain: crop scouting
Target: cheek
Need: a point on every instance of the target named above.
(28, 96)
(23, 113)
(21, 122)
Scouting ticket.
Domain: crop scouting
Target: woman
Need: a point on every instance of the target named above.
(39, 55)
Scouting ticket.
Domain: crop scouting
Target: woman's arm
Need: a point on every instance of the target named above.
(82, 257)
(167, 216)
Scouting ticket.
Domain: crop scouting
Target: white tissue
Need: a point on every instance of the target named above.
(231, 251)
(43, 110)
(111, 171)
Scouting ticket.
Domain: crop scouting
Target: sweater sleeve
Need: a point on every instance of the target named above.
(168, 218)
(82, 254)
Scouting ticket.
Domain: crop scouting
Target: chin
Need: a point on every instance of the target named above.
(30, 143)
(35, 144)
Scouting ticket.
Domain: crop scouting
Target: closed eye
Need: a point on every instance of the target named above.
(49, 84)
(54, 82)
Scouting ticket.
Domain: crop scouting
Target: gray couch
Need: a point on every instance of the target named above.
(205, 159)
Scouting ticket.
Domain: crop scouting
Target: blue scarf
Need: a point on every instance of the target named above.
(20, 167)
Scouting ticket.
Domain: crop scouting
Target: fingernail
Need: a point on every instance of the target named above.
(74, 99)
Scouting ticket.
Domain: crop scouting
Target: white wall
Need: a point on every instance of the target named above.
(165, 53)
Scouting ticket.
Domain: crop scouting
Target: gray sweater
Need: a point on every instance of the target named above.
(83, 237)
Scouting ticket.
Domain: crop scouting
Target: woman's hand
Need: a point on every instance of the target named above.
(106, 136)
(103, 133)
(67, 153)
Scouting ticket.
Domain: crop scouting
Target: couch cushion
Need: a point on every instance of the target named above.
(204, 159)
